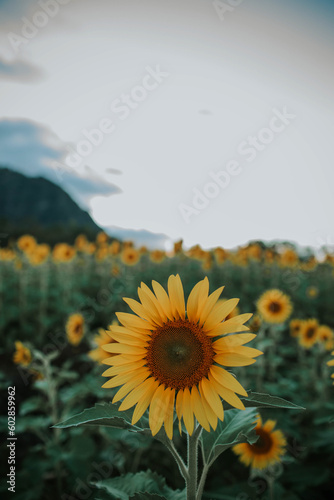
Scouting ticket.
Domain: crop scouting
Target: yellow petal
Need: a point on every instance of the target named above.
(202, 297)
(140, 375)
(122, 359)
(188, 417)
(226, 394)
(210, 414)
(129, 339)
(193, 302)
(117, 370)
(227, 380)
(132, 322)
(144, 401)
(173, 293)
(232, 325)
(212, 397)
(155, 301)
(219, 312)
(123, 348)
(136, 394)
(149, 307)
(232, 359)
(139, 309)
(232, 341)
(125, 331)
(125, 389)
(178, 406)
(158, 408)
(169, 418)
(197, 408)
(245, 351)
(209, 304)
(163, 299)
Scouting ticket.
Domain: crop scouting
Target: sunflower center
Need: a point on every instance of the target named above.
(179, 354)
(263, 444)
(275, 307)
(310, 332)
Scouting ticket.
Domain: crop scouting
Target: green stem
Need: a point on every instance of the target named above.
(202, 482)
(178, 459)
(191, 483)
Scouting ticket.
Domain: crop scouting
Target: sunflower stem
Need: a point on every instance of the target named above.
(178, 459)
(191, 482)
(202, 481)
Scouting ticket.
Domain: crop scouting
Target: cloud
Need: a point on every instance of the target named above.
(35, 150)
(19, 71)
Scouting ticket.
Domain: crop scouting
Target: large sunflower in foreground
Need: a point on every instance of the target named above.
(274, 306)
(267, 450)
(169, 354)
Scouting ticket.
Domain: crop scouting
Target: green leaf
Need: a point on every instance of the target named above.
(238, 427)
(143, 485)
(102, 414)
(258, 400)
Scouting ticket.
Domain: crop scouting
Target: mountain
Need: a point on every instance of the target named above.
(36, 206)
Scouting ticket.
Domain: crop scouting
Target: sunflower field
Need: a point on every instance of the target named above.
(135, 374)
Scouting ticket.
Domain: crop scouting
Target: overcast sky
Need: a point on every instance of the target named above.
(216, 117)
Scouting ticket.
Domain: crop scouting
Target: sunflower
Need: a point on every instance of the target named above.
(178, 247)
(157, 256)
(168, 354)
(102, 252)
(309, 264)
(331, 363)
(255, 323)
(81, 242)
(295, 327)
(101, 238)
(221, 255)
(309, 333)
(75, 327)
(274, 306)
(7, 254)
(326, 337)
(130, 256)
(269, 256)
(22, 355)
(102, 338)
(63, 252)
(312, 292)
(26, 243)
(289, 258)
(207, 264)
(115, 247)
(39, 254)
(254, 251)
(267, 450)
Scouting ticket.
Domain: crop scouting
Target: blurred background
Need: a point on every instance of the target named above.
(143, 138)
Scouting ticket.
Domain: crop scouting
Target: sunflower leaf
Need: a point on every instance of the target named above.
(139, 486)
(102, 414)
(258, 400)
(238, 427)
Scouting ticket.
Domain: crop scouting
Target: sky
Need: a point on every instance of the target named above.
(209, 121)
